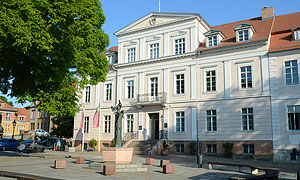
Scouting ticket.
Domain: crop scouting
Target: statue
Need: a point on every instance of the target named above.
(118, 123)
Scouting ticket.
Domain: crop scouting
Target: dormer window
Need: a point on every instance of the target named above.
(110, 59)
(243, 35)
(244, 32)
(296, 33)
(213, 37)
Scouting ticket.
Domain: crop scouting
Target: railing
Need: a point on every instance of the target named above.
(150, 98)
(163, 134)
(128, 136)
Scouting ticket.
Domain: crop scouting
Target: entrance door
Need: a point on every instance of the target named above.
(154, 125)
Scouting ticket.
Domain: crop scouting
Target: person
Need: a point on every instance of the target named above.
(144, 133)
(1, 131)
(58, 144)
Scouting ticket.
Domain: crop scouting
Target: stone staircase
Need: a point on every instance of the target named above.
(141, 147)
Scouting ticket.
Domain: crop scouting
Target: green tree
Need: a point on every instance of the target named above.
(5, 100)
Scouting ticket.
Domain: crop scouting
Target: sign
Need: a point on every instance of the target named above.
(152, 21)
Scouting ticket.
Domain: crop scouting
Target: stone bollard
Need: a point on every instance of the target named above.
(109, 169)
(60, 164)
(80, 160)
(164, 162)
(149, 161)
(168, 169)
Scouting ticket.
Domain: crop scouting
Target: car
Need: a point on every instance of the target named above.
(8, 144)
(30, 146)
(41, 133)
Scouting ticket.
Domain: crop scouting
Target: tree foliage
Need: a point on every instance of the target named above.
(5, 100)
(44, 42)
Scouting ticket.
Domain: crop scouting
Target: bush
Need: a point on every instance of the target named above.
(192, 147)
(93, 143)
(113, 143)
(228, 149)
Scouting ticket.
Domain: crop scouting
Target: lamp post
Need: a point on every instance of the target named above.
(14, 125)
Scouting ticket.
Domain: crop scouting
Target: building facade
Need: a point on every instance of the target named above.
(179, 78)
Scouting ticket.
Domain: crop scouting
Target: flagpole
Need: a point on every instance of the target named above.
(159, 6)
(99, 120)
(82, 130)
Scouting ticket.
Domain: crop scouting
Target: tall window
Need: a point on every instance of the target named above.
(108, 92)
(86, 124)
(88, 94)
(179, 148)
(154, 87)
(210, 80)
(107, 122)
(22, 118)
(7, 127)
(297, 35)
(7, 116)
(179, 83)
(248, 149)
(294, 117)
(130, 89)
(110, 59)
(243, 35)
(291, 72)
(131, 55)
(20, 128)
(154, 50)
(211, 148)
(180, 126)
(180, 46)
(246, 77)
(247, 119)
(212, 41)
(130, 122)
(211, 116)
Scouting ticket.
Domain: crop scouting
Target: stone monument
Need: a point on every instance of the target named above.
(118, 123)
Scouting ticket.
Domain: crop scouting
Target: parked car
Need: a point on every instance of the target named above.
(8, 144)
(41, 133)
(30, 146)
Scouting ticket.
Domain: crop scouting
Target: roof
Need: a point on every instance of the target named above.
(262, 28)
(114, 48)
(17, 111)
(281, 38)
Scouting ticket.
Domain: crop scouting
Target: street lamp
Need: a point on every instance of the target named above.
(14, 125)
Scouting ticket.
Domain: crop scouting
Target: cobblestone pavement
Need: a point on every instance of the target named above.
(41, 164)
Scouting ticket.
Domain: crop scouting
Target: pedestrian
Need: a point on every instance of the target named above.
(144, 133)
(58, 144)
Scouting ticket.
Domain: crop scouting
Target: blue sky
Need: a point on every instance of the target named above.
(120, 13)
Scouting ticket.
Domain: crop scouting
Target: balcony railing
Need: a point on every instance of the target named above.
(160, 98)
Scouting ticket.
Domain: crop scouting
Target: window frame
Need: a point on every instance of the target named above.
(105, 92)
(214, 39)
(211, 121)
(110, 59)
(284, 73)
(8, 116)
(243, 31)
(205, 81)
(248, 121)
(175, 83)
(130, 123)
(149, 49)
(149, 86)
(132, 92)
(107, 122)
(184, 122)
(87, 93)
(86, 124)
(240, 76)
(174, 44)
(211, 148)
(179, 147)
(287, 118)
(248, 149)
(127, 54)
(297, 34)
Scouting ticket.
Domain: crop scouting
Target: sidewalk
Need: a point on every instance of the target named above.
(185, 167)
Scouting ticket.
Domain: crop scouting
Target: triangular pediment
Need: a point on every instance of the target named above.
(155, 19)
(213, 32)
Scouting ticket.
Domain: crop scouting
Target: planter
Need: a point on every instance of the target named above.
(164, 152)
(117, 155)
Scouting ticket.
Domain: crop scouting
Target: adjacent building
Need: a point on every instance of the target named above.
(179, 78)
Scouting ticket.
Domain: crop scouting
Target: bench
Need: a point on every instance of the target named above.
(270, 174)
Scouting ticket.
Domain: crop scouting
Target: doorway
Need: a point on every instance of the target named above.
(154, 125)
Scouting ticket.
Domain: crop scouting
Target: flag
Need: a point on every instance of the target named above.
(96, 118)
(82, 119)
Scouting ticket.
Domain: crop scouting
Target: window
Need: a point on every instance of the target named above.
(129, 122)
(180, 126)
(246, 77)
(179, 83)
(179, 148)
(154, 87)
(243, 35)
(108, 92)
(130, 89)
(86, 124)
(21, 128)
(212, 41)
(110, 59)
(22, 118)
(297, 35)
(291, 72)
(210, 78)
(88, 94)
(294, 117)
(7, 127)
(247, 119)
(154, 50)
(211, 148)
(180, 46)
(131, 55)
(211, 116)
(7, 116)
(248, 149)
(107, 122)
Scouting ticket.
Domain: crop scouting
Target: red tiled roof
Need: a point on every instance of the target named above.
(262, 28)
(115, 48)
(18, 111)
(281, 38)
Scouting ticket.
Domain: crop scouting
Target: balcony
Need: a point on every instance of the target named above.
(148, 99)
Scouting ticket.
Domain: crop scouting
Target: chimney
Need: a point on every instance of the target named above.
(267, 13)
